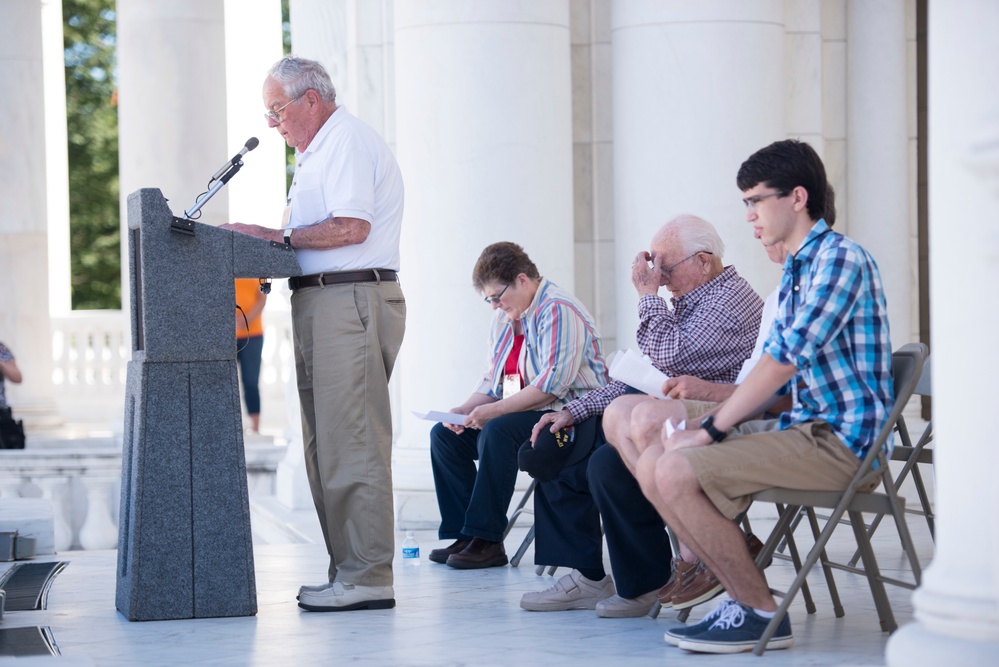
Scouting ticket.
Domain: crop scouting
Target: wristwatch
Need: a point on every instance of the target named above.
(709, 425)
(287, 236)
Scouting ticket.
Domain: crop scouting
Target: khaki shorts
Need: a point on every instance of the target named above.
(756, 456)
(696, 410)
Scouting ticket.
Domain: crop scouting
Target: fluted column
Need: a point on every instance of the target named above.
(697, 88)
(957, 607)
(878, 150)
(24, 311)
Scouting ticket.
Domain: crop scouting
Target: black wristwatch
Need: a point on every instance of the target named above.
(287, 236)
(708, 424)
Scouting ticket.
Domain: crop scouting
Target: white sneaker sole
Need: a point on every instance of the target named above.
(574, 605)
(733, 647)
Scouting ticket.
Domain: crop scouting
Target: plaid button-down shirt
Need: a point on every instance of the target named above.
(709, 332)
(832, 325)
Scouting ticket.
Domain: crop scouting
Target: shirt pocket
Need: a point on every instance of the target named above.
(309, 207)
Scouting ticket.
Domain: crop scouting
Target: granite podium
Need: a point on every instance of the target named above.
(184, 545)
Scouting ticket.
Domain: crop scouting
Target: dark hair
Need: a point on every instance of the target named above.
(502, 262)
(783, 166)
(830, 214)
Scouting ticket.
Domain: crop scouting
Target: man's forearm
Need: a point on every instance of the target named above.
(331, 233)
(755, 394)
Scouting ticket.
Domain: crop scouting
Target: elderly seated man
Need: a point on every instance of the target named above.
(634, 422)
(708, 333)
(830, 348)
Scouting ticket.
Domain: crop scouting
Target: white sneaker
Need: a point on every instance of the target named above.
(347, 597)
(618, 607)
(312, 589)
(573, 591)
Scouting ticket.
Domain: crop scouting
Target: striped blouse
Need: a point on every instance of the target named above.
(561, 354)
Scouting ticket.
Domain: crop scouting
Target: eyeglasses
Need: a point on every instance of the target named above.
(667, 271)
(275, 115)
(751, 202)
(496, 299)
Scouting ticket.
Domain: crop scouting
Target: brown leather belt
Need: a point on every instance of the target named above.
(339, 277)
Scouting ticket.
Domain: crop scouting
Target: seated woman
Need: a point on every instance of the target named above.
(544, 351)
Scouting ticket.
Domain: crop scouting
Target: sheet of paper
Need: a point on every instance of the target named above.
(636, 371)
(670, 429)
(443, 417)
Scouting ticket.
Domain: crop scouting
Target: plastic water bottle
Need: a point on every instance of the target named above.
(410, 551)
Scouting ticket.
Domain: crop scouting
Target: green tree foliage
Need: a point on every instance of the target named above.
(92, 123)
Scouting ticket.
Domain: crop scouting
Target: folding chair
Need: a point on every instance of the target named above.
(911, 456)
(521, 509)
(907, 365)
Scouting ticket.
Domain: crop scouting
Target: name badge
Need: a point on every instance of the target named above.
(511, 385)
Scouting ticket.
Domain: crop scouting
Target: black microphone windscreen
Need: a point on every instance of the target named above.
(251, 143)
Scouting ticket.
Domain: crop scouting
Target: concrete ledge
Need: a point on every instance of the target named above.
(31, 517)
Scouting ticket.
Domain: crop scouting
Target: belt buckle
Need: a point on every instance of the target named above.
(322, 285)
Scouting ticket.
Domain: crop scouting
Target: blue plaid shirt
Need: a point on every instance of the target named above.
(832, 325)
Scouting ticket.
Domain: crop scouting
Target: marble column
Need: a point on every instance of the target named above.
(484, 136)
(957, 606)
(697, 88)
(878, 155)
(56, 157)
(24, 308)
(834, 98)
(252, 44)
(172, 105)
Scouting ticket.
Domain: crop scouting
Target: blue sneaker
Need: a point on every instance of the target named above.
(675, 635)
(736, 630)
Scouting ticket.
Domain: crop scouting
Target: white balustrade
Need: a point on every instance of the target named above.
(99, 531)
(54, 490)
(91, 350)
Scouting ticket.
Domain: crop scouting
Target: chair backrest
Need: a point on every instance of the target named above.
(925, 385)
(907, 365)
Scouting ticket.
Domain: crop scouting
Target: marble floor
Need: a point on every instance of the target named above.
(443, 617)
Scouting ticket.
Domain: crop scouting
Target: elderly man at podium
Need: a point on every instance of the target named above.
(343, 220)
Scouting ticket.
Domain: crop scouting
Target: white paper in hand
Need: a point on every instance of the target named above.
(670, 429)
(442, 417)
(636, 371)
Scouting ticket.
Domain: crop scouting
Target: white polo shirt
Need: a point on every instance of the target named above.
(348, 171)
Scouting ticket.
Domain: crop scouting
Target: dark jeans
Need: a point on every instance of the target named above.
(248, 353)
(473, 503)
(567, 532)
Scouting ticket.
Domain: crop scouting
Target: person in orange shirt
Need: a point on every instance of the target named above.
(250, 343)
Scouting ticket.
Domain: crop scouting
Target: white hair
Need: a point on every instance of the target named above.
(695, 235)
(297, 75)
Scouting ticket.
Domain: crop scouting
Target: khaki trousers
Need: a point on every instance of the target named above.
(347, 337)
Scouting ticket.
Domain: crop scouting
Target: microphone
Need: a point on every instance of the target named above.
(226, 172)
(250, 144)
